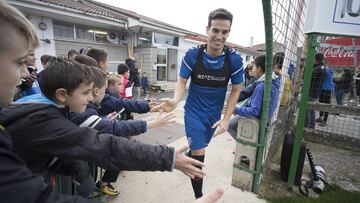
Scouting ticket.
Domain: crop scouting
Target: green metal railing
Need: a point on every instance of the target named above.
(267, 89)
(312, 44)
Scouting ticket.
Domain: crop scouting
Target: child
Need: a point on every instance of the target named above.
(278, 61)
(72, 54)
(17, 182)
(86, 60)
(101, 57)
(46, 60)
(91, 119)
(41, 129)
(144, 82)
(123, 70)
(29, 83)
(113, 103)
(115, 84)
(253, 108)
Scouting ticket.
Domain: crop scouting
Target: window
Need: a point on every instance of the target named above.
(62, 29)
(166, 39)
(144, 38)
(100, 36)
(82, 32)
(161, 56)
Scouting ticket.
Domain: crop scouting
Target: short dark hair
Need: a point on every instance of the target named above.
(260, 61)
(86, 60)
(279, 59)
(122, 68)
(72, 52)
(46, 58)
(64, 73)
(98, 54)
(220, 13)
(319, 57)
(100, 77)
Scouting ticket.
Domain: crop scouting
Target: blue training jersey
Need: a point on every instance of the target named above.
(208, 101)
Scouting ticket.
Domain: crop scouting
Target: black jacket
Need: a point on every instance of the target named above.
(42, 131)
(111, 103)
(317, 80)
(106, 125)
(134, 74)
(18, 184)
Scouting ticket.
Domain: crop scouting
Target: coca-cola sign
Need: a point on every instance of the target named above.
(340, 57)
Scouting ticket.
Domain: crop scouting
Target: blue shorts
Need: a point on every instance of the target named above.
(198, 131)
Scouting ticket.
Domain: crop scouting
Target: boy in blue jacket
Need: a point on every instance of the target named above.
(91, 118)
(253, 108)
(41, 130)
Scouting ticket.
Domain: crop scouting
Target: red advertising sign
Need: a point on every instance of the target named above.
(339, 56)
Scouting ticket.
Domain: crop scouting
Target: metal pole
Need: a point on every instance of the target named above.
(356, 64)
(312, 44)
(267, 88)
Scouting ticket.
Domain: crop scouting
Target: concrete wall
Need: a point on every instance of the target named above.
(44, 48)
(146, 59)
(115, 52)
(184, 45)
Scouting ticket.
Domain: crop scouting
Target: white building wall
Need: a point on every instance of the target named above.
(184, 45)
(44, 47)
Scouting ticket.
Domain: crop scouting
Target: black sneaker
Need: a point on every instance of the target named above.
(319, 120)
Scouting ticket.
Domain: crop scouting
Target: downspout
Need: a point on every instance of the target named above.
(130, 47)
(267, 89)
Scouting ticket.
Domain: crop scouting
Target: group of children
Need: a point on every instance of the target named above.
(62, 129)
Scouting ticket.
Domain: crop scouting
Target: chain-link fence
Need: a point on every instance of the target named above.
(334, 110)
(288, 39)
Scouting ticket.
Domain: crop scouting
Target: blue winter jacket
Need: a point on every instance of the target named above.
(247, 91)
(253, 109)
(91, 118)
(110, 104)
(328, 81)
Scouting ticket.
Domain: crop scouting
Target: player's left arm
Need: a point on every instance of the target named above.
(237, 77)
(232, 100)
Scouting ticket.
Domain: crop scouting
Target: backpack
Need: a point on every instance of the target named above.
(286, 154)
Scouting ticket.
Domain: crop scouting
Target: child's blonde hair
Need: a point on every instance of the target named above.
(113, 77)
(12, 19)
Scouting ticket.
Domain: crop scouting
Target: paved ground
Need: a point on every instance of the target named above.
(342, 125)
(342, 167)
(154, 187)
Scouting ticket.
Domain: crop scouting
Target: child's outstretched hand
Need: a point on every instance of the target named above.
(161, 120)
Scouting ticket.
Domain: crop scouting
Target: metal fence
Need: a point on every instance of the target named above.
(288, 38)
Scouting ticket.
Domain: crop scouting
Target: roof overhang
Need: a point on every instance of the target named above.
(66, 14)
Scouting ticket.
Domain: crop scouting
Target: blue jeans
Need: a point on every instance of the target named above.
(310, 116)
(233, 125)
(145, 90)
(86, 187)
(339, 95)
